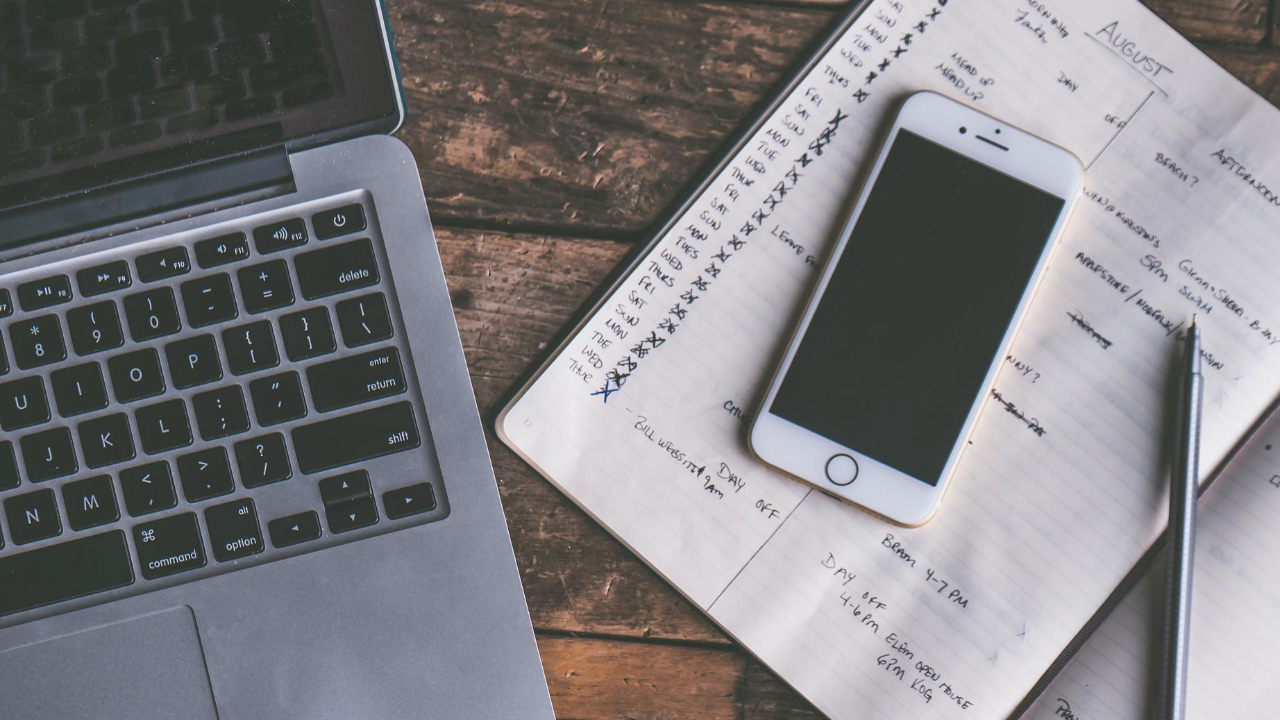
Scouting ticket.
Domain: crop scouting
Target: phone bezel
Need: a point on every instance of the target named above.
(887, 492)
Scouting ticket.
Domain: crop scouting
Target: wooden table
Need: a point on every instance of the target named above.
(552, 135)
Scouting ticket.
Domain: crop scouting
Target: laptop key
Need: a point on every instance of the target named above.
(355, 437)
(355, 379)
(412, 500)
(136, 375)
(148, 488)
(56, 573)
(234, 532)
(6, 304)
(266, 286)
(221, 250)
(205, 474)
(250, 348)
(37, 342)
(193, 361)
(9, 478)
(169, 546)
(48, 455)
(221, 413)
(278, 398)
(23, 403)
(307, 334)
(294, 529)
(336, 269)
(104, 278)
(32, 517)
(263, 460)
(79, 389)
(90, 502)
(40, 294)
(163, 426)
(364, 320)
(339, 221)
(94, 328)
(352, 516)
(209, 300)
(345, 488)
(106, 440)
(152, 314)
(280, 235)
(163, 264)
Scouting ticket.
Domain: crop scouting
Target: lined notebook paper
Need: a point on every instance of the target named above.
(641, 415)
(1235, 608)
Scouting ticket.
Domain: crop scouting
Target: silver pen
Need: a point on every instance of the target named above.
(1183, 492)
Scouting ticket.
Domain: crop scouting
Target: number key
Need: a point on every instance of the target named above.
(37, 342)
(307, 334)
(94, 328)
(152, 314)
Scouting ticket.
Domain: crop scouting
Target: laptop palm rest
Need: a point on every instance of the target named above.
(145, 668)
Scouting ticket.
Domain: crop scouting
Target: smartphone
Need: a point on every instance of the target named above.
(879, 388)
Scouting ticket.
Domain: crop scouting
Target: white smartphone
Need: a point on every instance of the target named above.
(916, 308)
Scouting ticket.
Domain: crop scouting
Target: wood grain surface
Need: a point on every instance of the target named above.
(552, 136)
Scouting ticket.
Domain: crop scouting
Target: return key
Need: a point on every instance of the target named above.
(356, 379)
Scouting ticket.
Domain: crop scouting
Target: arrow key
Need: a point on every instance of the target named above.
(352, 516)
(412, 500)
(294, 529)
(345, 489)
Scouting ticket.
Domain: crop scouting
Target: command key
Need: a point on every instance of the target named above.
(169, 546)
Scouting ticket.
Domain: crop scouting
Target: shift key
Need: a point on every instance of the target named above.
(336, 269)
(356, 379)
(355, 437)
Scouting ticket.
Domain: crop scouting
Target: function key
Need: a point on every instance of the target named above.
(280, 236)
(169, 546)
(163, 264)
(6, 304)
(341, 221)
(48, 292)
(336, 269)
(294, 529)
(104, 278)
(222, 250)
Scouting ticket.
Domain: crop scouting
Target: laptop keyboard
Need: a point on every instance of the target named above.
(205, 403)
(80, 76)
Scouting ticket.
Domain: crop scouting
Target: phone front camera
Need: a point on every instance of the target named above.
(964, 130)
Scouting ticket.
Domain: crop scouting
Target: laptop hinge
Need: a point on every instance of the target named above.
(139, 200)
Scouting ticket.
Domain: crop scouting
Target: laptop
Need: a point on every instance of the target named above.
(242, 472)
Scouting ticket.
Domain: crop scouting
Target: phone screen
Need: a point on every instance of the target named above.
(918, 304)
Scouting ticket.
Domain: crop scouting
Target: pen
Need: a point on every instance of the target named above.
(1184, 486)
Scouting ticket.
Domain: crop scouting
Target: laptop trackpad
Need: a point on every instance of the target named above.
(149, 667)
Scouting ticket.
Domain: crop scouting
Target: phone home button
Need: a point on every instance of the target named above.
(842, 470)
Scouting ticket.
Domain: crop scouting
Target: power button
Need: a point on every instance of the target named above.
(842, 470)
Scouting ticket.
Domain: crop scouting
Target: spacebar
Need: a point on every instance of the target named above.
(62, 572)
(355, 437)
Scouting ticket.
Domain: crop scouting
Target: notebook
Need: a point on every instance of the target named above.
(640, 415)
(1235, 613)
